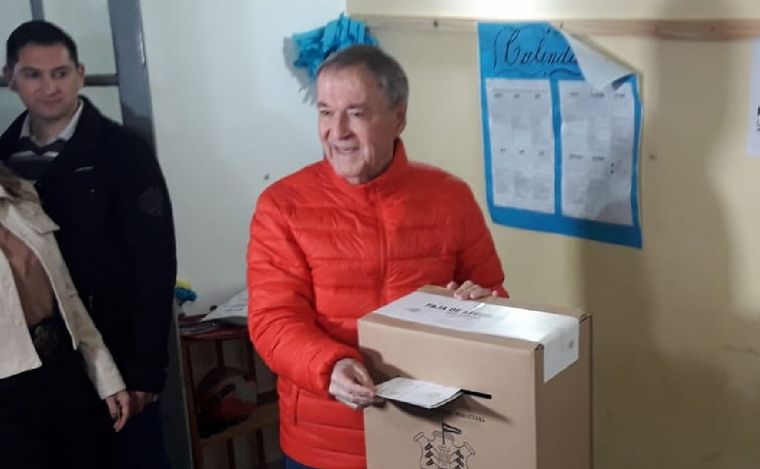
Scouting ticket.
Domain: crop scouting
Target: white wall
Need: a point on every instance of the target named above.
(229, 120)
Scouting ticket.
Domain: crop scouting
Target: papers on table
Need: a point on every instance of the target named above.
(234, 310)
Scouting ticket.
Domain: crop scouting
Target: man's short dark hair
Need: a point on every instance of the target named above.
(390, 77)
(41, 33)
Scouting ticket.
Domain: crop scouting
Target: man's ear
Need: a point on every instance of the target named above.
(8, 75)
(81, 74)
(400, 112)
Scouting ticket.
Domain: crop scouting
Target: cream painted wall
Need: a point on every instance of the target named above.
(229, 120)
(677, 323)
(545, 9)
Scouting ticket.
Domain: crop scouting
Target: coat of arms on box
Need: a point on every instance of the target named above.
(442, 451)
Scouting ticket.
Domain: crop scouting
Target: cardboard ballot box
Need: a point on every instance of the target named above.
(525, 372)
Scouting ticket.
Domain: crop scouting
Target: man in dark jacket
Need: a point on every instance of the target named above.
(102, 184)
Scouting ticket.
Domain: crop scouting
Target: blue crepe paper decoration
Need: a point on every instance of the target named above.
(184, 292)
(316, 45)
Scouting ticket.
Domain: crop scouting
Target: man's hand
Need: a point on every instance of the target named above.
(470, 291)
(138, 400)
(119, 408)
(351, 384)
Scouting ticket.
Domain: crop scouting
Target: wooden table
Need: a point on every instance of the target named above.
(264, 414)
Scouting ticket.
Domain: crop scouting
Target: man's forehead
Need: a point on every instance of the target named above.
(35, 66)
(344, 100)
(353, 72)
(34, 54)
(352, 86)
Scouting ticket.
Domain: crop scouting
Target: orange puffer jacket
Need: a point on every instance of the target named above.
(322, 254)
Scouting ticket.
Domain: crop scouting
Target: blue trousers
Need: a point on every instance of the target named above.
(292, 464)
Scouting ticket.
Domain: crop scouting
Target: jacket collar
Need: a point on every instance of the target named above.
(10, 137)
(65, 134)
(85, 135)
(387, 182)
(88, 128)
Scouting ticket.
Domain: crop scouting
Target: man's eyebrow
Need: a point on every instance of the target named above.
(29, 68)
(321, 104)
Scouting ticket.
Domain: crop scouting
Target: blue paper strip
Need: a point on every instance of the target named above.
(316, 45)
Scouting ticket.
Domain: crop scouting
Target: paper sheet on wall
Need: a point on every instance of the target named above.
(561, 126)
(522, 144)
(597, 135)
(753, 117)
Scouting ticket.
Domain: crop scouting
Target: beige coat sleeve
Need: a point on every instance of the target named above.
(99, 364)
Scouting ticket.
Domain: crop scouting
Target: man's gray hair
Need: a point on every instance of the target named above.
(388, 73)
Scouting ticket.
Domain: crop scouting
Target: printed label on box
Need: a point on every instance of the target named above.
(558, 333)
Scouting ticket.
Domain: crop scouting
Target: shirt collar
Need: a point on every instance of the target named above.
(65, 134)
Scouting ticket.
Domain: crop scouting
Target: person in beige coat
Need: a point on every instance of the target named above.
(52, 358)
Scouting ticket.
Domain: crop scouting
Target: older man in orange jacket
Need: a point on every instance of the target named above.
(344, 236)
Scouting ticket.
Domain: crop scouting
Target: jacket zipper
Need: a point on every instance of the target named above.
(383, 255)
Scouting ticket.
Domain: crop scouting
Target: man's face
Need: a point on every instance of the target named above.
(357, 123)
(47, 80)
